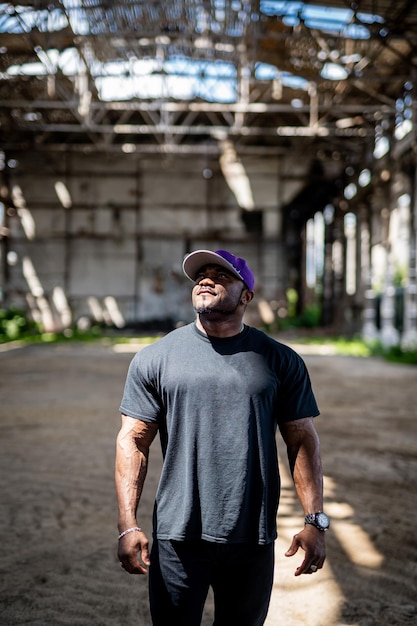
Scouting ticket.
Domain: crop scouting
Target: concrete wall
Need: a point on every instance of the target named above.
(115, 251)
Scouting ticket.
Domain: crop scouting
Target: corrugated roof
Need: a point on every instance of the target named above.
(177, 75)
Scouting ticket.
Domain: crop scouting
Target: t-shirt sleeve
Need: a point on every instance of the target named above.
(296, 397)
(140, 397)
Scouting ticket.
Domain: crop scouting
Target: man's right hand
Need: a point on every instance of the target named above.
(132, 547)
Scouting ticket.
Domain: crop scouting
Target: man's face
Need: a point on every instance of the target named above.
(217, 291)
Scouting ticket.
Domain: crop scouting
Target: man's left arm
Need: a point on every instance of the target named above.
(303, 450)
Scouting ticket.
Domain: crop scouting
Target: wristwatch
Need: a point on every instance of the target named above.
(320, 520)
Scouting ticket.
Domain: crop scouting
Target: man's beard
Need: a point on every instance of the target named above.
(217, 310)
(202, 310)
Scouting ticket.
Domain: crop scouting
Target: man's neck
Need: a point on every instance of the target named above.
(219, 328)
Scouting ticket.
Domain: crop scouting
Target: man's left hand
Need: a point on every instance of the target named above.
(312, 541)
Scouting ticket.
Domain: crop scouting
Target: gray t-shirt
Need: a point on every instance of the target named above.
(217, 403)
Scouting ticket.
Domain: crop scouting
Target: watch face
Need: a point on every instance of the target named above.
(322, 520)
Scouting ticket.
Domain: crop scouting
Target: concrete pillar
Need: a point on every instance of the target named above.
(409, 338)
(390, 336)
(339, 273)
(328, 283)
(369, 328)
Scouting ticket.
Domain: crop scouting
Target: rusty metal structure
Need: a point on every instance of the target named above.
(374, 46)
(328, 79)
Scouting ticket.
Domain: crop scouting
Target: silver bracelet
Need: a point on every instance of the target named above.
(129, 530)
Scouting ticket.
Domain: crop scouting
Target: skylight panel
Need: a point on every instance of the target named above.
(21, 19)
(168, 74)
(265, 71)
(179, 78)
(336, 21)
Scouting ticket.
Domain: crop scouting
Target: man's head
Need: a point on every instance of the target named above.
(223, 287)
(195, 261)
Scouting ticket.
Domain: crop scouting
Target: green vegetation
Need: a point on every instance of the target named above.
(395, 354)
(14, 326)
(360, 348)
(309, 318)
(340, 345)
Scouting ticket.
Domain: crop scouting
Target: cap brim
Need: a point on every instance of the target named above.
(194, 261)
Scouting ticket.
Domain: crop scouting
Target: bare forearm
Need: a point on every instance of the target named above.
(132, 451)
(303, 450)
(308, 480)
(130, 477)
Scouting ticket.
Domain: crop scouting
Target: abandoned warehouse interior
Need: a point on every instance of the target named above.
(134, 132)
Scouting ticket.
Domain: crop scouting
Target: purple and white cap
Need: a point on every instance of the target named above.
(194, 261)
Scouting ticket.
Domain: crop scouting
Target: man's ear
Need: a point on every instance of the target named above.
(247, 296)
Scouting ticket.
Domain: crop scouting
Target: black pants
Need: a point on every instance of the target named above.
(181, 573)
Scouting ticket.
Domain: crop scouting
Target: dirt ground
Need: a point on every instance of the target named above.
(58, 564)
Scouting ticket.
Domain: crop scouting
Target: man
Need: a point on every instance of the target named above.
(216, 390)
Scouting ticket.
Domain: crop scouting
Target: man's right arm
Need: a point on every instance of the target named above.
(132, 452)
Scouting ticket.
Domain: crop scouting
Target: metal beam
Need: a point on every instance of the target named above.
(204, 107)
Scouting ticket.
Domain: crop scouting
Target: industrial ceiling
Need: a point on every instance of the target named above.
(181, 75)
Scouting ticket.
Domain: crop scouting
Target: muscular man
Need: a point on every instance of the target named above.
(216, 391)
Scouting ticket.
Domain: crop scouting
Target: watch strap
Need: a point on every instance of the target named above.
(312, 518)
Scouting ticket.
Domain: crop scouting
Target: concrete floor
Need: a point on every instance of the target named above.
(58, 565)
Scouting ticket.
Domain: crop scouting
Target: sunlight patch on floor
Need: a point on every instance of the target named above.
(315, 599)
